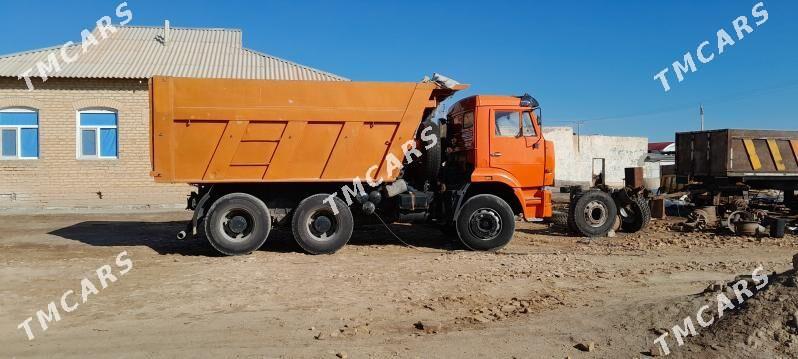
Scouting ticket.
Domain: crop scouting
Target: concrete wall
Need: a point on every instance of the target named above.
(575, 156)
(652, 174)
(57, 179)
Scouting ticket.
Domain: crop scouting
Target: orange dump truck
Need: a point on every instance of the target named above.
(319, 157)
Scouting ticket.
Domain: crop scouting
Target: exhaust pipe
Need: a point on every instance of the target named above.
(181, 235)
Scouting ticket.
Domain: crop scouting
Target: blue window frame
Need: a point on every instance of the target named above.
(98, 134)
(19, 134)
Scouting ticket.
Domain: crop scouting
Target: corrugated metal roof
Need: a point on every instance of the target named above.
(140, 52)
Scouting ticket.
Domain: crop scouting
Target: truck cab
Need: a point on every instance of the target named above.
(495, 144)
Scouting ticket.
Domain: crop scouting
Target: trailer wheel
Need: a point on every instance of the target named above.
(569, 221)
(638, 216)
(485, 223)
(237, 223)
(559, 219)
(318, 229)
(592, 213)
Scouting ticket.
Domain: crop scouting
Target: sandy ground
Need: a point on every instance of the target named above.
(541, 296)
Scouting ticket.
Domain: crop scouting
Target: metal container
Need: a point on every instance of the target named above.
(777, 227)
(738, 153)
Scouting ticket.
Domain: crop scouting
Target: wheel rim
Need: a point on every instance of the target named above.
(485, 224)
(322, 225)
(237, 224)
(596, 214)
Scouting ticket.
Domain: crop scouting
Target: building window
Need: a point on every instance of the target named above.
(19, 133)
(97, 134)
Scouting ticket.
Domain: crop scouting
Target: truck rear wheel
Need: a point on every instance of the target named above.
(592, 213)
(318, 229)
(237, 223)
(485, 223)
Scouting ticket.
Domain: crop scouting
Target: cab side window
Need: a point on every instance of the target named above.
(507, 123)
(529, 128)
(468, 120)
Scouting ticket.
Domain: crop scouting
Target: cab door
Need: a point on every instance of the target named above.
(516, 145)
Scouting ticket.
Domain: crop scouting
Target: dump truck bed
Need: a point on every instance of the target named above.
(222, 130)
(737, 153)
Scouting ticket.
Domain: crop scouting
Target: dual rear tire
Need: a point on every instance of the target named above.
(319, 228)
(239, 223)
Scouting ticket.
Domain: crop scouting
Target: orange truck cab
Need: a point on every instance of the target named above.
(318, 157)
(496, 143)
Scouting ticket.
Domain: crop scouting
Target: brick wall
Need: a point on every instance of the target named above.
(58, 179)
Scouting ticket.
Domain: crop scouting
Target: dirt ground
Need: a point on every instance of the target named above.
(542, 296)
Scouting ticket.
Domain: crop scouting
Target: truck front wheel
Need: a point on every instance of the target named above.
(237, 223)
(320, 229)
(485, 223)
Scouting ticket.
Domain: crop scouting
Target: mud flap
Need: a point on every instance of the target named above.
(199, 212)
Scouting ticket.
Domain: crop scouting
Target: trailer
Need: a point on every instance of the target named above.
(729, 162)
(720, 169)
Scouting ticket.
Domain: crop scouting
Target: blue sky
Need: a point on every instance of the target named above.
(591, 61)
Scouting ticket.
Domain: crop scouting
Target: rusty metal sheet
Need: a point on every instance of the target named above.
(737, 153)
